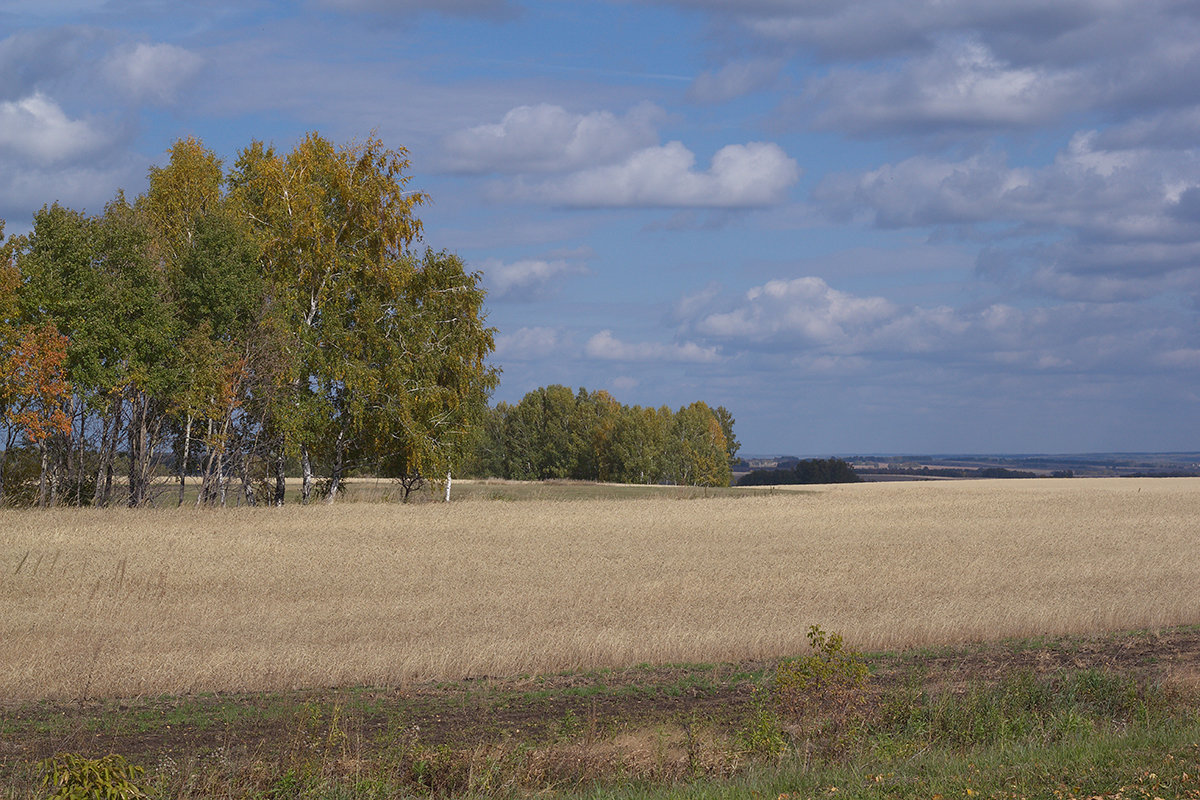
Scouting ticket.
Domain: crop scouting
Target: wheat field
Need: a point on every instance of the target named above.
(120, 603)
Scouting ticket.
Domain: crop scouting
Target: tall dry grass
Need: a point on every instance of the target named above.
(119, 602)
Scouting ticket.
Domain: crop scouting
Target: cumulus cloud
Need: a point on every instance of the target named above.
(84, 185)
(928, 66)
(1109, 211)
(820, 327)
(734, 80)
(36, 128)
(528, 343)
(527, 279)
(611, 161)
(960, 84)
(151, 72)
(605, 346)
(803, 308)
(1173, 129)
(752, 175)
(544, 138)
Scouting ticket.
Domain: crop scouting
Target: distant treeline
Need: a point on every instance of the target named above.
(557, 433)
(953, 472)
(811, 470)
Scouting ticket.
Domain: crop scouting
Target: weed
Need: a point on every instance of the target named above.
(570, 726)
(1020, 708)
(822, 695)
(762, 734)
(68, 776)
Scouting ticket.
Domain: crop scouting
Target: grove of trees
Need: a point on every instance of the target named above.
(556, 433)
(228, 323)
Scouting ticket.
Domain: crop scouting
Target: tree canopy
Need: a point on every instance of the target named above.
(227, 324)
(556, 433)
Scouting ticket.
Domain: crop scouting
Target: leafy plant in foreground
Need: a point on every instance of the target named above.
(822, 695)
(68, 776)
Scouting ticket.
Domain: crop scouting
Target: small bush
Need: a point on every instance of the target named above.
(68, 776)
(823, 695)
(762, 734)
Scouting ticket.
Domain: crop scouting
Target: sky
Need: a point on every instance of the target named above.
(863, 226)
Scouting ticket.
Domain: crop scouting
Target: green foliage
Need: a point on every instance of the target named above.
(823, 694)
(762, 733)
(248, 318)
(554, 433)
(68, 776)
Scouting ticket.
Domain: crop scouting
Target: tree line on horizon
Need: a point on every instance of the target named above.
(554, 432)
(805, 471)
(235, 324)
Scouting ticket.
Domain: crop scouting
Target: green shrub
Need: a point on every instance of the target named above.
(762, 734)
(823, 695)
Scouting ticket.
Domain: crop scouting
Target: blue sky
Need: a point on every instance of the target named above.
(863, 227)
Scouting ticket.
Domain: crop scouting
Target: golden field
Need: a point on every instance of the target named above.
(119, 602)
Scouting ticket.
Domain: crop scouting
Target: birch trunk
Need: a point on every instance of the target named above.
(187, 441)
(247, 485)
(339, 452)
(306, 475)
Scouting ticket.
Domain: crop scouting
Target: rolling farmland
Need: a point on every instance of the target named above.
(134, 602)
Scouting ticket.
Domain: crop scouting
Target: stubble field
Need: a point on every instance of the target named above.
(123, 603)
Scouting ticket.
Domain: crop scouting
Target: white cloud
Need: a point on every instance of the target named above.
(151, 72)
(528, 343)
(960, 84)
(1122, 211)
(547, 138)
(734, 80)
(932, 67)
(528, 278)
(818, 327)
(803, 309)
(1175, 129)
(25, 186)
(36, 128)
(606, 347)
(756, 174)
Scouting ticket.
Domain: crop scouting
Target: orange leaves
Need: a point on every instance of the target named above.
(33, 383)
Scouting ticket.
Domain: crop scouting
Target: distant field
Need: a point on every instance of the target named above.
(118, 602)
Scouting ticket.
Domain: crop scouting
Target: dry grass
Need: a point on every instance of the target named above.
(118, 602)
